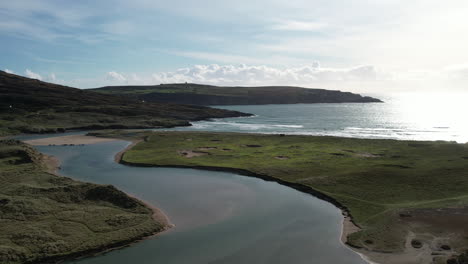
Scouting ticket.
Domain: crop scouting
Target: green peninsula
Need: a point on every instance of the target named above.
(407, 197)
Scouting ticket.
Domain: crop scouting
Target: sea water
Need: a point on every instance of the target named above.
(402, 117)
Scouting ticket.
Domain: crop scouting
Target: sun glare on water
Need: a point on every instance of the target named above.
(444, 114)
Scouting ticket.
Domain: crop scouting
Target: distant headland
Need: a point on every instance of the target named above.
(200, 94)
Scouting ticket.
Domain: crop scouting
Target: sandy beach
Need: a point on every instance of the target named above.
(67, 140)
(52, 164)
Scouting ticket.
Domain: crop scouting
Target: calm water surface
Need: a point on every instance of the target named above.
(219, 217)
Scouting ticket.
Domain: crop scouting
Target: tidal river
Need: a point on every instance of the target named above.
(219, 217)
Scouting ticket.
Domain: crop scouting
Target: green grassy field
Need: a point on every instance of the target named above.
(389, 187)
(44, 217)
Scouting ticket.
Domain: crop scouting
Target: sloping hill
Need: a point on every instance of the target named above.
(197, 94)
(33, 106)
(47, 218)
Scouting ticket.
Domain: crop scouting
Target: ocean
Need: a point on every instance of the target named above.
(402, 117)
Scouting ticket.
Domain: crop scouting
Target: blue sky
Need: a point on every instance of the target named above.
(357, 45)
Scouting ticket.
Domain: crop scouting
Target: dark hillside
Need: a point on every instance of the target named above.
(197, 94)
(28, 105)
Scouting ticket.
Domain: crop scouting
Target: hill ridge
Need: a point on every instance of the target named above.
(201, 94)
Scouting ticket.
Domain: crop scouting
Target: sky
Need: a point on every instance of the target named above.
(378, 46)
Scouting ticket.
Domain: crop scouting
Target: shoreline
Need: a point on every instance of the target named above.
(52, 166)
(73, 140)
(158, 214)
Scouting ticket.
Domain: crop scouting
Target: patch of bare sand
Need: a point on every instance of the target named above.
(348, 228)
(67, 140)
(52, 164)
(410, 255)
(191, 153)
(158, 215)
(436, 235)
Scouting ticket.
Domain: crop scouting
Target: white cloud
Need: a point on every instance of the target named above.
(265, 75)
(32, 75)
(361, 79)
(312, 75)
(115, 77)
(9, 71)
(52, 77)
